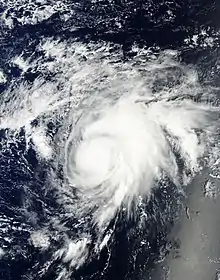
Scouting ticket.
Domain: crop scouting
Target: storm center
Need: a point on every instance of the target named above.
(93, 159)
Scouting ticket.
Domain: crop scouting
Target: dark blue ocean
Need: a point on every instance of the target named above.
(35, 219)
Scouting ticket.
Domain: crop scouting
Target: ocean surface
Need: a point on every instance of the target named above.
(109, 139)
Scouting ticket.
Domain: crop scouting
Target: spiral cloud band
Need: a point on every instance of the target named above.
(111, 130)
(129, 146)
